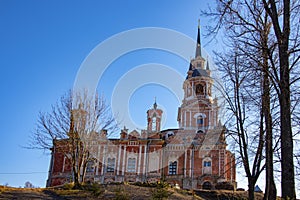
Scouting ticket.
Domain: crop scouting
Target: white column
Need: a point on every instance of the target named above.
(181, 122)
(98, 159)
(103, 160)
(184, 118)
(144, 166)
(124, 161)
(119, 160)
(215, 118)
(139, 160)
(193, 91)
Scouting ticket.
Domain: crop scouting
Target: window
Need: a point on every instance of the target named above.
(172, 168)
(198, 65)
(90, 166)
(207, 164)
(154, 124)
(199, 89)
(110, 165)
(200, 120)
(131, 165)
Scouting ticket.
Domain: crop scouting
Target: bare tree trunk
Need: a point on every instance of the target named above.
(251, 185)
(76, 175)
(282, 35)
(287, 163)
(254, 171)
(270, 189)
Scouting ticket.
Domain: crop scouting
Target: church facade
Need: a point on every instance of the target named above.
(191, 156)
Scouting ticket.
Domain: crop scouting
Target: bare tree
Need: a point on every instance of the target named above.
(270, 29)
(249, 33)
(244, 108)
(71, 125)
(283, 38)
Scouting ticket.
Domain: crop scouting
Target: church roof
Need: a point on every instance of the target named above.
(199, 72)
(257, 189)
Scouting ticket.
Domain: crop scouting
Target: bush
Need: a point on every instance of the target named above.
(152, 185)
(116, 183)
(121, 194)
(96, 189)
(68, 186)
(163, 185)
(160, 194)
(224, 186)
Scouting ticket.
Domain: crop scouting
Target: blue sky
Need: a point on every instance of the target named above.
(44, 42)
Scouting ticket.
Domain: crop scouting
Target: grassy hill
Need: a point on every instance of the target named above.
(119, 192)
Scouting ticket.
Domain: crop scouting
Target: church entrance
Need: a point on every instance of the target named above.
(206, 185)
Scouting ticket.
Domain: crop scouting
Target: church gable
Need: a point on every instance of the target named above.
(134, 135)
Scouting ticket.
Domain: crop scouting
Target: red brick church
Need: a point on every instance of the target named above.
(192, 156)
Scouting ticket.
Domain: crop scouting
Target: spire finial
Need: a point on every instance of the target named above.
(198, 47)
(155, 105)
(207, 64)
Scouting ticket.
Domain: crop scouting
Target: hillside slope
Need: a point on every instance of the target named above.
(116, 192)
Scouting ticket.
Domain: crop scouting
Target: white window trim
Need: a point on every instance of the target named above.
(135, 163)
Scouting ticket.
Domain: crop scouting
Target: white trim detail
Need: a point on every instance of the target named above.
(199, 114)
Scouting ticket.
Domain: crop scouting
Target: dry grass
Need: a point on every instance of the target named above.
(115, 192)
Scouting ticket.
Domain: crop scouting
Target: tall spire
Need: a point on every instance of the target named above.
(198, 47)
(155, 105)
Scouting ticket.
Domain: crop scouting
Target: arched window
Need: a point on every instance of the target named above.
(131, 165)
(199, 89)
(90, 166)
(200, 120)
(110, 165)
(173, 168)
(207, 166)
(154, 124)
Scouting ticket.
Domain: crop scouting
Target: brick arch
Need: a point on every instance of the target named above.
(207, 185)
(206, 178)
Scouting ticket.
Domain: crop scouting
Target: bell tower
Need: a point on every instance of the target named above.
(198, 111)
(154, 116)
